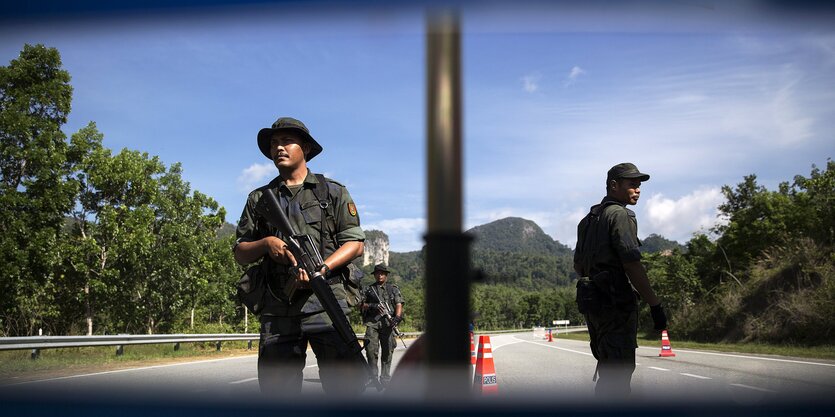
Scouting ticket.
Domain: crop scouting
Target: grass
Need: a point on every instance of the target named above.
(816, 352)
(17, 365)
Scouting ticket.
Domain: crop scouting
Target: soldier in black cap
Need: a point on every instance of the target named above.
(607, 253)
(292, 316)
(382, 310)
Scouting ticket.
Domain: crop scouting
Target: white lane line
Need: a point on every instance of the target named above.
(695, 376)
(657, 368)
(128, 370)
(558, 348)
(753, 388)
(509, 343)
(243, 381)
(748, 357)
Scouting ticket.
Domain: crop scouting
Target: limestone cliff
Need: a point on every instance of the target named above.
(376, 248)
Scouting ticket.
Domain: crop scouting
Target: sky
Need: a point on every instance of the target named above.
(697, 94)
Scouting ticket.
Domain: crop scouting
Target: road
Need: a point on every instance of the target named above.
(526, 368)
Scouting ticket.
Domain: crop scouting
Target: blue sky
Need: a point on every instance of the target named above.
(698, 95)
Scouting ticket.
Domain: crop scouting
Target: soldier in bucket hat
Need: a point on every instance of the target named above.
(380, 298)
(609, 261)
(291, 316)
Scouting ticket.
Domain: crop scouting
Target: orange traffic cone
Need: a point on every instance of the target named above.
(472, 349)
(484, 381)
(666, 349)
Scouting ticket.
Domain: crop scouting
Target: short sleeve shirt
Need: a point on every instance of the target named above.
(305, 211)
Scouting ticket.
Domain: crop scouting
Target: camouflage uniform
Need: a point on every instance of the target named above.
(613, 329)
(288, 325)
(378, 333)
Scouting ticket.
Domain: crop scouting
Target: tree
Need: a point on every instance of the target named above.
(35, 99)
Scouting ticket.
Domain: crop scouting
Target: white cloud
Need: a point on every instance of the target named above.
(256, 175)
(575, 73)
(679, 219)
(530, 82)
(405, 234)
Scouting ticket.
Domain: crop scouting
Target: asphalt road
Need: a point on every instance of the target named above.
(526, 368)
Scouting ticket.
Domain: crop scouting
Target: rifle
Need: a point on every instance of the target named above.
(309, 259)
(386, 315)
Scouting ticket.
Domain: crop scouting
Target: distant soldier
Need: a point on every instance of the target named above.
(382, 311)
(607, 253)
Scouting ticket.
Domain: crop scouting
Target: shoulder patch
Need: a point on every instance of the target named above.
(352, 209)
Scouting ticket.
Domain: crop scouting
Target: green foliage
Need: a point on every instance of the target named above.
(94, 242)
(769, 277)
(35, 99)
(507, 307)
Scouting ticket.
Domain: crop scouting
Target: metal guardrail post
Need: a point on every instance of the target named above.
(120, 350)
(217, 345)
(176, 346)
(36, 353)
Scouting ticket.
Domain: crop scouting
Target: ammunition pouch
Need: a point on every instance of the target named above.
(252, 288)
(351, 277)
(589, 298)
(606, 288)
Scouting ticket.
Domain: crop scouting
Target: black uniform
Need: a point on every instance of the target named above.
(606, 238)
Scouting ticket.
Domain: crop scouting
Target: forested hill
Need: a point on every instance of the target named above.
(517, 252)
(518, 235)
(511, 251)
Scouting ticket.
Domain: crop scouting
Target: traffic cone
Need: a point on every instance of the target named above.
(666, 349)
(472, 349)
(484, 381)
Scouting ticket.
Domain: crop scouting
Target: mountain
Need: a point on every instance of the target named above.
(515, 251)
(518, 235)
(656, 243)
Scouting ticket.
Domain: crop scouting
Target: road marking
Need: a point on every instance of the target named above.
(748, 357)
(555, 347)
(657, 368)
(753, 388)
(511, 343)
(243, 380)
(127, 370)
(696, 376)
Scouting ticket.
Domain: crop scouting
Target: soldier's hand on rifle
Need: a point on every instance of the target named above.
(279, 251)
(396, 320)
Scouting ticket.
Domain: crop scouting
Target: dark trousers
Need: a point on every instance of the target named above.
(613, 335)
(379, 343)
(282, 354)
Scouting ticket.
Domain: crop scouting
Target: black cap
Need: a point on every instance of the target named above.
(381, 267)
(287, 123)
(626, 170)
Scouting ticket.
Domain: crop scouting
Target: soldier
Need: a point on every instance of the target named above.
(607, 252)
(292, 316)
(381, 301)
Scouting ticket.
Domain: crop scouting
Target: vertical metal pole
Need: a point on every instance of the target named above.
(447, 248)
